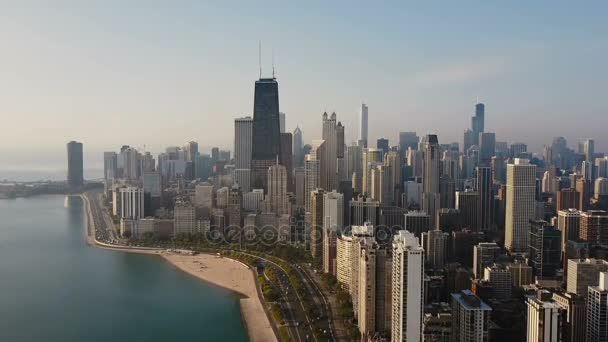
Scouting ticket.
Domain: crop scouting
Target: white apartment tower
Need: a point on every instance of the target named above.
(407, 288)
(521, 204)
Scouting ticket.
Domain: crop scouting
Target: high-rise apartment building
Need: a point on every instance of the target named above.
(545, 322)
(521, 204)
(574, 321)
(470, 318)
(407, 288)
(486, 198)
(297, 148)
(435, 244)
(132, 203)
(110, 165)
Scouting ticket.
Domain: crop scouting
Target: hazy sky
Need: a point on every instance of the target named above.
(162, 73)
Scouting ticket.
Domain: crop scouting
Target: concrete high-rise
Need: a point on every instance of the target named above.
(333, 134)
(266, 138)
(521, 204)
(363, 124)
(407, 288)
(594, 227)
(574, 321)
(371, 158)
(75, 166)
(544, 318)
(313, 170)
(470, 318)
(132, 203)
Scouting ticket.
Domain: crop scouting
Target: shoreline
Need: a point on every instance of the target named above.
(228, 274)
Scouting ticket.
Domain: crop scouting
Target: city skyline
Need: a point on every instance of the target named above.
(136, 73)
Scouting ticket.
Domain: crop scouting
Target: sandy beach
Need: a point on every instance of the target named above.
(232, 275)
(224, 272)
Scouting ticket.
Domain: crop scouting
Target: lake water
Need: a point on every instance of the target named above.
(54, 287)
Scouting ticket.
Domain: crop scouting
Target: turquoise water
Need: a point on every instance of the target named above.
(53, 287)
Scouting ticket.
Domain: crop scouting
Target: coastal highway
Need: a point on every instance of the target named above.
(322, 321)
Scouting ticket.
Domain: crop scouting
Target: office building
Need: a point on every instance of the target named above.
(589, 150)
(597, 310)
(521, 204)
(484, 255)
(364, 209)
(75, 166)
(467, 203)
(266, 144)
(470, 318)
(417, 222)
(478, 122)
(544, 318)
(371, 158)
(521, 274)
(583, 273)
(518, 149)
(407, 288)
(545, 251)
(499, 278)
(568, 223)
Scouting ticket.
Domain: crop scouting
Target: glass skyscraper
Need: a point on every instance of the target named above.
(266, 144)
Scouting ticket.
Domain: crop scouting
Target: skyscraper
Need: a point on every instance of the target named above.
(277, 189)
(478, 122)
(363, 124)
(333, 216)
(75, 166)
(266, 138)
(110, 165)
(521, 204)
(486, 197)
(589, 149)
(545, 249)
(333, 150)
(435, 244)
(243, 135)
(316, 224)
(282, 122)
(484, 255)
(487, 148)
(407, 288)
(286, 158)
(297, 146)
(431, 200)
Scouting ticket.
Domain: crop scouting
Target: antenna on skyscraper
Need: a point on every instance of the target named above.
(260, 57)
(273, 63)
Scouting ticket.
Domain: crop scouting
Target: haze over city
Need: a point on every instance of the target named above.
(159, 75)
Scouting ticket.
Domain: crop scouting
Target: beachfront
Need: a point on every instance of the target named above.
(235, 276)
(223, 272)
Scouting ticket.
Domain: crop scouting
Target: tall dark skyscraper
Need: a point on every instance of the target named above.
(486, 197)
(75, 167)
(266, 142)
(478, 122)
